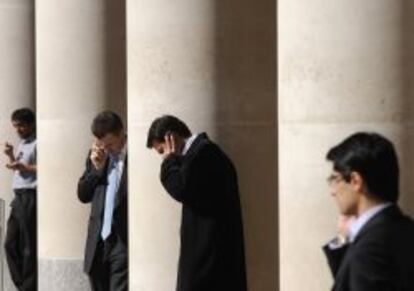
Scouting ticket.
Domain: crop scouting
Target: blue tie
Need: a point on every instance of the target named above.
(111, 190)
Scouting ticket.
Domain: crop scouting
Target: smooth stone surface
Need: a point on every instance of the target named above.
(62, 275)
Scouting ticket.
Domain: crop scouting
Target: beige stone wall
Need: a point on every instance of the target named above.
(70, 89)
(344, 66)
(211, 63)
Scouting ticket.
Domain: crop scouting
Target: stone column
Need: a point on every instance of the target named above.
(211, 63)
(16, 83)
(344, 66)
(71, 89)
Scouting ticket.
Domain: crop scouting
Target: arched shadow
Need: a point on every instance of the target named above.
(406, 156)
(115, 45)
(246, 119)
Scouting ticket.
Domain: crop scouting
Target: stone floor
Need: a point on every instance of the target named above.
(56, 275)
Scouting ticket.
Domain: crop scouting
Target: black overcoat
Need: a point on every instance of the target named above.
(204, 180)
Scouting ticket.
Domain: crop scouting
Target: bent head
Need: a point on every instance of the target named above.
(164, 127)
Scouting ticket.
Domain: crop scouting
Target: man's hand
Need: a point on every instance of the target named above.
(9, 151)
(19, 166)
(98, 155)
(344, 225)
(170, 145)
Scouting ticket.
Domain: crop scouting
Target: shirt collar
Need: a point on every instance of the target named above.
(30, 138)
(363, 219)
(188, 144)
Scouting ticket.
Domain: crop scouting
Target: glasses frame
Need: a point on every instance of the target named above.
(334, 178)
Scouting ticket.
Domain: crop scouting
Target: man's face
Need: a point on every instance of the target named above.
(344, 193)
(159, 147)
(112, 143)
(24, 130)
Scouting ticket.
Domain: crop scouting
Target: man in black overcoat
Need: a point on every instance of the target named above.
(198, 174)
(374, 249)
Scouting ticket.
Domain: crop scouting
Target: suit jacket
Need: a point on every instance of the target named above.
(212, 248)
(92, 189)
(381, 258)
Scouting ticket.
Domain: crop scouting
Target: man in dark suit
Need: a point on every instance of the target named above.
(104, 184)
(374, 250)
(197, 173)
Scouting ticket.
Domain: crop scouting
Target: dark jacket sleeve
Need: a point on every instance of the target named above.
(334, 257)
(88, 182)
(195, 181)
(174, 178)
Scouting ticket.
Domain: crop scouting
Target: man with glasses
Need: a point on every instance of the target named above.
(374, 249)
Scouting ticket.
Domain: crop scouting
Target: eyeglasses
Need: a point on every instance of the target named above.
(334, 178)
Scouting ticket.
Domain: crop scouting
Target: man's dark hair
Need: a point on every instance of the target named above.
(374, 158)
(164, 124)
(106, 122)
(24, 116)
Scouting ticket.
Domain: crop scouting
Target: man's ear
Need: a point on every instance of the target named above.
(357, 182)
(120, 133)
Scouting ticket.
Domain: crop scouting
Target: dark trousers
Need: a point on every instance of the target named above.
(21, 240)
(110, 267)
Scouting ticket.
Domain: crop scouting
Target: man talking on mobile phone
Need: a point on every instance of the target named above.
(199, 175)
(104, 185)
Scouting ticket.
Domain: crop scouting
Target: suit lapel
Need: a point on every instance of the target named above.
(195, 147)
(123, 183)
(390, 212)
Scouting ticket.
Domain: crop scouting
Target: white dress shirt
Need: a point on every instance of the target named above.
(363, 219)
(358, 224)
(188, 144)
